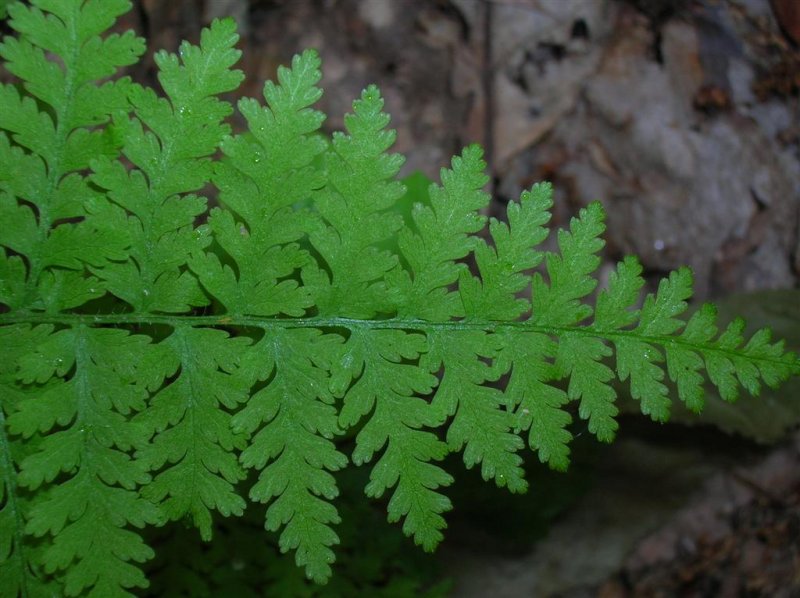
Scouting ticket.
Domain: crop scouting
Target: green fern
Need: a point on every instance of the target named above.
(154, 351)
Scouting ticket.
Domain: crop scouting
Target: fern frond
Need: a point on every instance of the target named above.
(168, 141)
(266, 173)
(86, 444)
(637, 359)
(49, 204)
(583, 359)
(152, 350)
(386, 388)
(481, 425)
(51, 147)
(170, 158)
(353, 206)
(193, 429)
(20, 573)
(481, 421)
(442, 236)
(293, 424)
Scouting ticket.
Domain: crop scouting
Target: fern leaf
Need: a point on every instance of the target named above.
(481, 427)
(539, 406)
(442, 236)
(266, 174)
(170, 158)
(193, 430)
(728, 363)
(153, 350)
(59, 143)
(354, 219)
(637, 359)
(481, 424)
(583, 359)
(192, 444)
(19, 573)
(87, 439)
(557, 305)
(684, 365)
(15, 574)
(386, 388)
(494, 296)
(293, 423)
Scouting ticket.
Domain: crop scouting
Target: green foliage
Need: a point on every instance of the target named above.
(373, 559)
(155, 351)
(768, 418)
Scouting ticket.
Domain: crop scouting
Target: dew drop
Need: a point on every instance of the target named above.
(201, 232)
(659, 245)
(146, 293)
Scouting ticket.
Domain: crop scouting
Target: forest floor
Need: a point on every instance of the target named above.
(709, 516)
